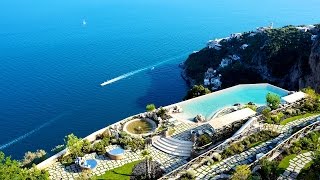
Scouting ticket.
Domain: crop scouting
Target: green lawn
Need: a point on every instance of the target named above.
(122, 172)
(286, 121)
(284, 163)
(307, 166)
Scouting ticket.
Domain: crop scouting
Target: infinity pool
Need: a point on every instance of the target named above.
(209, 104)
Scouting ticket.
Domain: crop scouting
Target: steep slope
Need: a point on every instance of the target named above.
(287, 57)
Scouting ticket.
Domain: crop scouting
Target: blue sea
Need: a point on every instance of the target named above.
(55, 54)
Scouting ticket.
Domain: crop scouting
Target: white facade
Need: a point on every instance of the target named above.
(236, 35)
(244, 46)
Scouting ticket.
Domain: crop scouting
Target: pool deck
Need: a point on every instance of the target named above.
(227, 119)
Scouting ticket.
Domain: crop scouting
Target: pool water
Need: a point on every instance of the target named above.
(209, 104)
(117, 151)
(92, 163)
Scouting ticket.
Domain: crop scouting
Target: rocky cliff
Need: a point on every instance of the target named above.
(288, 57)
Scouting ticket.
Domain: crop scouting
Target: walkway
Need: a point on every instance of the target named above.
(295, 166)
(286, 128)
(246, 157)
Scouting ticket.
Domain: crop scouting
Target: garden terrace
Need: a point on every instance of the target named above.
(285, 148)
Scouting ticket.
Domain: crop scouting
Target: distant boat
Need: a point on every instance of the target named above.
(152, 68)
(84, 22)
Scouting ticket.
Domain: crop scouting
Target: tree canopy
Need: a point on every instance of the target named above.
(150, 107)
(196, 91)
(11, 169)
(74, 144)
(273, 100)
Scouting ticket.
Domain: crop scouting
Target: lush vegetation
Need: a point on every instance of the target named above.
(310, 107)
(251, 106)
(273, 100)
(286, 121)
(248, 142)
(150, 107)
(270, 53)
(12, 169)
(123, 172)
(312, 170)
(196, 91)
(139, 127)
(272, 169)
(188, 175)
(269, 169)
(242, 172)
(203, 140)
(79, 147)
(285, 162)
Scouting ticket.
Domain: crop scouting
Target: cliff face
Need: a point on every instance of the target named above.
(287, 57)
(313, 80)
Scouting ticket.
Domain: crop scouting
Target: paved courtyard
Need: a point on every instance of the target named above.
(168, 163)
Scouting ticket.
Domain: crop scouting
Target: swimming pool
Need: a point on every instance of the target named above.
(209, 104)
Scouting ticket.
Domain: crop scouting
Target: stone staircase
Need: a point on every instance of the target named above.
(173, 146)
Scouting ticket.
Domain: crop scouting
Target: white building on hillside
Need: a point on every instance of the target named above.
(313, 37)
(244, 46)
(236, 35)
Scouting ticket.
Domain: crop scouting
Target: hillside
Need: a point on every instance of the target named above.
(287, 57)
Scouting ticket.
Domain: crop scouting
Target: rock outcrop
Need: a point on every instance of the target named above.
(288, 57)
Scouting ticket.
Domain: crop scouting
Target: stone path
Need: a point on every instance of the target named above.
(295, 166)
(246, 157)
(286, 128)
(168, 163)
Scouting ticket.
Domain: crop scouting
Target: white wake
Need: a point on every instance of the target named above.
(140, 70)
(3, 146)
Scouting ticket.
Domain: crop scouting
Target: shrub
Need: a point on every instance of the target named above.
(99, 148)
(87, 147)
(268, 169)
(204, 139)
(33, 158)
(266, 113)
(105, 133)
(209, 161)
(196, 91)
(74, 144)
(150, 107)
(273, 100)
(242, 172)
(216, 156)
(189, 174)
(66, 160)
(171, 130)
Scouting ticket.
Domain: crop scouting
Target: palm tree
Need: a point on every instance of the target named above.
(146, 154)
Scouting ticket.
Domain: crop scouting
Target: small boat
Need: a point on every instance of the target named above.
(152, 68)
(84, 22)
